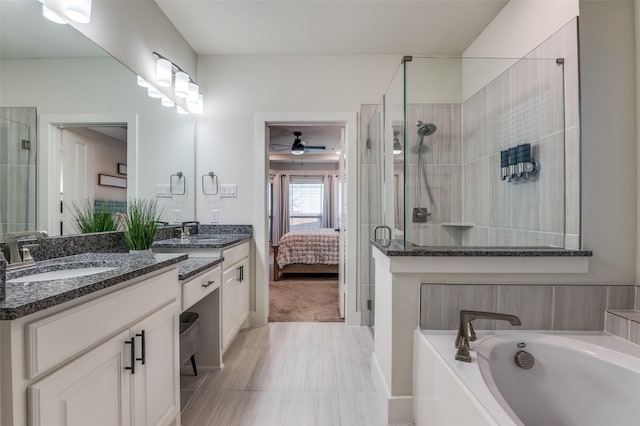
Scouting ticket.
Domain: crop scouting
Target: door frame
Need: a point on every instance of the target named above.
(48, 163)
(261, 160)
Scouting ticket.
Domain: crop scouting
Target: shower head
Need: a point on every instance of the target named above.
(426, 129)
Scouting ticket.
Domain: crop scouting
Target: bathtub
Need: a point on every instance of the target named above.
(577, 379)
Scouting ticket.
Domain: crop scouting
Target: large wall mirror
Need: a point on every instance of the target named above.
(98, 136)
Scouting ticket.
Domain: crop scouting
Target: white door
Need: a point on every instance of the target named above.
(342, 202)
(74, 177)
(242, 292)
(228, 290)
(156, 383)
(91, 390)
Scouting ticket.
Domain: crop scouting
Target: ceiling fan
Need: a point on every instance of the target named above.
(299, 146)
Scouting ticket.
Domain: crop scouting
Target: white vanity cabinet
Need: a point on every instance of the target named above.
(235, 291)
(111, 360)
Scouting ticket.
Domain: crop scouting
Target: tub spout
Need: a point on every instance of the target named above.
(467, 334)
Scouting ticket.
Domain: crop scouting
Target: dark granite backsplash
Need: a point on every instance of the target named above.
(225, 229)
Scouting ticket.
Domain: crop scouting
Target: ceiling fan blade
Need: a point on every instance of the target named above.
(315, 147)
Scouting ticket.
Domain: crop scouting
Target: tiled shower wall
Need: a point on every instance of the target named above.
(539, 307)
(17, 169)
(535, 101)
(442, 154)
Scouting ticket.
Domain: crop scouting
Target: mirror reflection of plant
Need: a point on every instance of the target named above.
(87, 219)
(140, 223)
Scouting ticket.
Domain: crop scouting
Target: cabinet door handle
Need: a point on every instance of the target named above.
(142, 349)
(209, 283)
(239, 275)
(132, 356)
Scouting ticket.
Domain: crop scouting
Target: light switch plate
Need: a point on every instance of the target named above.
(228, 190)
(177, 215)
(163, 190)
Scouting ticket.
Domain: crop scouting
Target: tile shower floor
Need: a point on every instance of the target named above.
(287, 374)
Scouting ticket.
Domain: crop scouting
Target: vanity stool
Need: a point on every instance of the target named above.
(189, 338)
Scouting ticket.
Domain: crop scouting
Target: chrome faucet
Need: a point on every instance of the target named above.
(11, 242)
(184, 230)
(466, 333)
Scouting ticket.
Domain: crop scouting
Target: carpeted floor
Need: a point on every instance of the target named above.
(297, 298)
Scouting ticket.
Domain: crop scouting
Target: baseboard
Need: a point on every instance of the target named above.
(396, 409)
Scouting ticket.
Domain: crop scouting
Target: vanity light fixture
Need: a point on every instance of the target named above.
(52, 16)
(142, 82)
(198, 106)
(78, 10)
(154, 93)
(181, 110)
(167, 102)
(182, 84)
(163, 72)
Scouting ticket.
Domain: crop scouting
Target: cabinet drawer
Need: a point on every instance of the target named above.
(235, 254)
(198, 287)
(54, 339)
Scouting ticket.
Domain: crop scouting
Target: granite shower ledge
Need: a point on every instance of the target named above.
(203, 241)
(29, 297)
(194, 265)
(396, 248)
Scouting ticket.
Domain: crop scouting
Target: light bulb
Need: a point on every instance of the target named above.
(163, 72)
(52, 16)
(182, 84)
(78, 10)
(181, 110)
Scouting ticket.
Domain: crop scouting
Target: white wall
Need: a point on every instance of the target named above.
(164, 140)
(238, 87)
(519, 28)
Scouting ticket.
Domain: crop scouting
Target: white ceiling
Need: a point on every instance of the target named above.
(281, 139)
(419, 27)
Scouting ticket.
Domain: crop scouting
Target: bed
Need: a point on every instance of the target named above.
(309, 251)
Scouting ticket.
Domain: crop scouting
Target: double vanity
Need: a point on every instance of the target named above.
(93, 338)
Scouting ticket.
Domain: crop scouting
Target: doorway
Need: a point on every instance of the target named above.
(348, 227)
(304, 217)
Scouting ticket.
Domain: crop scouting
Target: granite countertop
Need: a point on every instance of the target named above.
(24, 298)
(397, 248)
(194, 265)
(202, 241)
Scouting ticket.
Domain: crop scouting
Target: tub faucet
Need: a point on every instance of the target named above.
(466, 332)
(184, 230)
(11, 241)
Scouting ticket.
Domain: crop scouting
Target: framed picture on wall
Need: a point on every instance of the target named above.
(115, 181)
(122, 169)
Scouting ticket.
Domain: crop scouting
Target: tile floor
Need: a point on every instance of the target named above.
(287, 374)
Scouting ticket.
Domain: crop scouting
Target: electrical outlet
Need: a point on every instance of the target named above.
(177, 215)
(228, 190)
(214, 216)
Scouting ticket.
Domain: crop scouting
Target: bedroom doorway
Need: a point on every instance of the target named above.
(304, 196)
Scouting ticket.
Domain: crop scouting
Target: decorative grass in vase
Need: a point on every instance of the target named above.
(140, 223)
(87, 220)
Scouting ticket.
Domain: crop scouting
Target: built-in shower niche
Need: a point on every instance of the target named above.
(452, 175)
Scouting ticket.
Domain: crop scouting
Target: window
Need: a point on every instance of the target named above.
(306, 197)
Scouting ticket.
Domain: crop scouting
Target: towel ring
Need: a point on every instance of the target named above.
(180, 176)
(214, 183)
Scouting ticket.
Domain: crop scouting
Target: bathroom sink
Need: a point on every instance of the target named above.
(62, 274)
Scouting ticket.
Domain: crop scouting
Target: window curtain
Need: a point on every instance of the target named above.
(280, 217)
(330, 205)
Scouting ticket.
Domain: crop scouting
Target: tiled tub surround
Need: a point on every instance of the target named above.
(624, 324)
(539, 307)
(29, 297)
